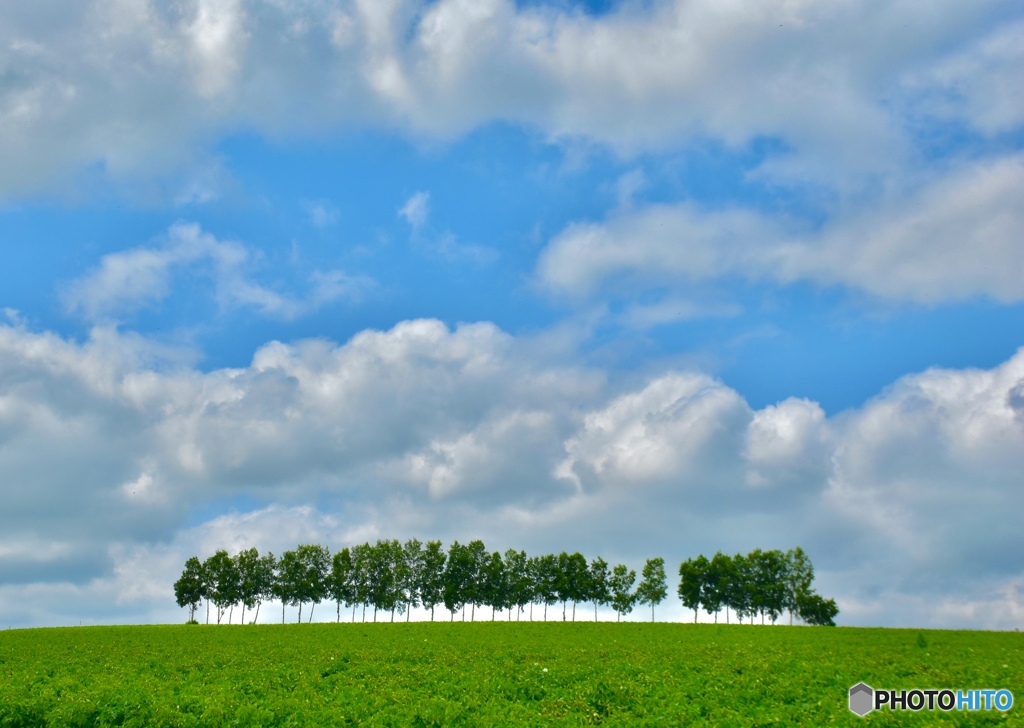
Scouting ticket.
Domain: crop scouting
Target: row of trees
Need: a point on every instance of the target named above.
(762, 582)
(392, 577)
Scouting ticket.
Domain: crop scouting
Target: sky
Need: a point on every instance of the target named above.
(635, 278)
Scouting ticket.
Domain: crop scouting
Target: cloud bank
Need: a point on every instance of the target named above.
(423, 430)
(136, 87)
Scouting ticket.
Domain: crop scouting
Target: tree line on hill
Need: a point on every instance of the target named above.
(391, 577)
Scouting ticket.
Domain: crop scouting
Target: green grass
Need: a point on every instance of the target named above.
(489, 674)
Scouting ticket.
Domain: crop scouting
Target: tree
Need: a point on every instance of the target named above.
(265, 578)
(362, 578)
(815, 610)
(288, 584)
(412, 566)
(599, 588)
(717, 584)
(798, 578)
(621, 585)
(517, 570)
(740, 593)
(495, 584)
(456, 578)
(190, 588)
(691, 583)
(652, 589)
(571, 580)
(476, 558)
(431, 578)
(341, 583)
(249, 573)
(315, 565)
(224, 578)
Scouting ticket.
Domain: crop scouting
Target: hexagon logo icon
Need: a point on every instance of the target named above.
(862, 699)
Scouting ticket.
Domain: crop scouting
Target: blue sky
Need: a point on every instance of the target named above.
(690, 276)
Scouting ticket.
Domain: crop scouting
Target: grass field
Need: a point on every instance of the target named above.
(489, 674)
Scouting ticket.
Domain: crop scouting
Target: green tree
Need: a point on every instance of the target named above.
(816, 610)
(431, 582)
(495, 584)
(265, 576)
(190, 588)
(457, 573)
(548, 575)
(621, 585)
(652, 589)
(411, 568)
(224, 579)
(691, 583)
(598, 582)
(798, 578)
(315, 566)
(341, 583)
(517, 570)
(287, 585)
(717, 584)
(741, 592)
(252, 575)
(571, 580)
(476, 560)
(362, 577)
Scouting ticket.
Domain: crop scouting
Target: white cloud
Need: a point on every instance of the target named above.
(952, 238)
(416, 210)
(136, 87)
(426, 431)
(127, 281)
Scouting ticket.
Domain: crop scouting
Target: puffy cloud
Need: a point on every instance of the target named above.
(129, 280)
(134, 86)
(121, 462)
(951, 238)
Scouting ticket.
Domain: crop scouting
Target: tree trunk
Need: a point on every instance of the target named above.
(695, 616)
(408, 614)
(716, 617)
(243, 613)
(563, 611)
(364, 612)
(727, 614)
(431, 613)
(574, 611)
(652, 611)
(231, 613)
(353, 614)
(595, 611)
(375, 613)
(207, 610)
(299, 621)
(545, 611)
(257, 617)
(282, 611)
(392, 615)
(472, 613)
(311, 608)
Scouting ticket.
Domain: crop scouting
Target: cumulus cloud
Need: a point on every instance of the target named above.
(127, 281)
(110, 449)
(135, 87)
(952, 238)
